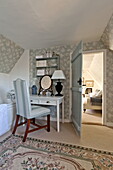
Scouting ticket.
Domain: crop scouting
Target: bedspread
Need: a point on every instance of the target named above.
(96, 101)
(4, 125)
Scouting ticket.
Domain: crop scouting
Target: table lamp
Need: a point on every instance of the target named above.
(58, 75)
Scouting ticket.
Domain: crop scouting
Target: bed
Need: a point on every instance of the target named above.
(7, 114)
(93, 101)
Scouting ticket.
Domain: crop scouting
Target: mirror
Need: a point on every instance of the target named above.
(45, 85)
(46, 82)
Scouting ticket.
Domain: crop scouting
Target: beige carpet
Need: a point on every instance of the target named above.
(92, 117)
(99, 137)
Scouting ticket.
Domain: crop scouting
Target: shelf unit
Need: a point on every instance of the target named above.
(47, 65)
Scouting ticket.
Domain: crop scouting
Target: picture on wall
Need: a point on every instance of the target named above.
(89, 83)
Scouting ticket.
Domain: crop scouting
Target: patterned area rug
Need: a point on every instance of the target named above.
(37, 154)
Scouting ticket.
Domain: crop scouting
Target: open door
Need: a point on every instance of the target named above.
(76, 63)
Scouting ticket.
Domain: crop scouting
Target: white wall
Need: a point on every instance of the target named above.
(88, 76)
(93, 68)
(96, 69)
(21, 69)
(4, 86)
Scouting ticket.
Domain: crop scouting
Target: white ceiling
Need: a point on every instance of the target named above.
(45, 23)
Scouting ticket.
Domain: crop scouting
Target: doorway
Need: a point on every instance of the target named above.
(93, 88)
(79, 81)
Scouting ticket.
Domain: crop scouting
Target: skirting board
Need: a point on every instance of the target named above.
(55, 119)
(109, 124)
(76, 126)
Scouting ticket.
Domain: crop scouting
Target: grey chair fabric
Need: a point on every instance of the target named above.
(23, 105)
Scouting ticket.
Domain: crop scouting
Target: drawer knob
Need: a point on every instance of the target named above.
(48, 102)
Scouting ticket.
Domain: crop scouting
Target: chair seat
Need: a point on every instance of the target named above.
(38, 111)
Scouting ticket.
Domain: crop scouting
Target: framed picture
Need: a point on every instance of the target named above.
(89, 83)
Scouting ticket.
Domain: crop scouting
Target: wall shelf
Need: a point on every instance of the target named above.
(47, 58)
(47, 65)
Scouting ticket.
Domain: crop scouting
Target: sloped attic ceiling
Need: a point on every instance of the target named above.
(93, 67)
(45, 23)
(87, 60)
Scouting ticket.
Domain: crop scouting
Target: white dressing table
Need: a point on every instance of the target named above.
(53, 101)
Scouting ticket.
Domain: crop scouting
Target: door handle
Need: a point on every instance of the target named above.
(79, 81)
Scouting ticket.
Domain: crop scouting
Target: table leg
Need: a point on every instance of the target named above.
(58, 121)
(63, 110)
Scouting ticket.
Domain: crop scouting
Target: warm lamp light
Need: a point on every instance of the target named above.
(58, 75)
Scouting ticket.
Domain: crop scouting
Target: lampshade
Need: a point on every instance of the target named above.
(58, 74)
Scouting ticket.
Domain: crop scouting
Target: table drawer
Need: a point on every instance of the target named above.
(47, 102)
(34, 101)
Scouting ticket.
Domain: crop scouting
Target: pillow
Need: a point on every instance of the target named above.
(96, 94)
(97, 90)
(99, 94)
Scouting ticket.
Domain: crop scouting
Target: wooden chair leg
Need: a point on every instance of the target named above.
(48, 123)
(33, 120)
(27, 129)
(16, 124)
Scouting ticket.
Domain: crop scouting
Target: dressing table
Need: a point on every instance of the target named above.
(50, 101)
(45, 97)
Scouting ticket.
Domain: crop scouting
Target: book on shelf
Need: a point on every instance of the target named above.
(42, 63)
(40, 72)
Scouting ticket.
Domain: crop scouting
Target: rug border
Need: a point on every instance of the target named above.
(5, 139)
(62, 144)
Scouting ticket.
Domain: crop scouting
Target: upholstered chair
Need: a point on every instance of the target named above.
(26, 110)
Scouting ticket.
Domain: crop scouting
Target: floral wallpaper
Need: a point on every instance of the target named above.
(109, 85)
(64, 52)
(107, 36)
(94, 45)
(107, 39)
(9, 54)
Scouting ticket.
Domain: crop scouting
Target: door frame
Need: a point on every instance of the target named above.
(104, 84)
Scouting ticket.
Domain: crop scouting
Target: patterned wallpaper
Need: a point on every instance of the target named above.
(64, 52)
(9, 54)
(107, 36)
(95, 45)
(109, 85)
(107, 39)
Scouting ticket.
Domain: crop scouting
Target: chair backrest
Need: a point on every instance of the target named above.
(22, 98)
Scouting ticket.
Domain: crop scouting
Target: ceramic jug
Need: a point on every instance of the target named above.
(34, 89)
